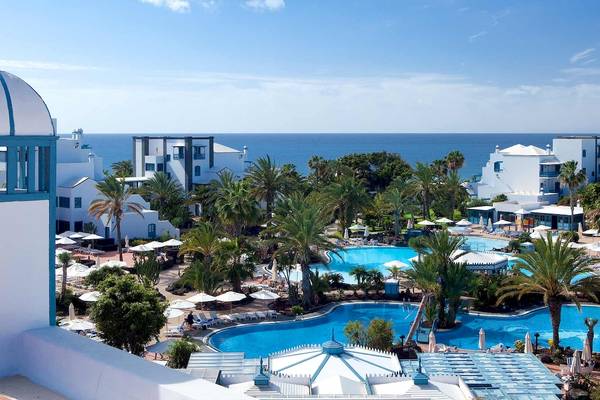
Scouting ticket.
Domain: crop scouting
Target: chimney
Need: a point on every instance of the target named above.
(548, 149)
(497, 149)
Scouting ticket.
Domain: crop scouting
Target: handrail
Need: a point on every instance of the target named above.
(417, 320)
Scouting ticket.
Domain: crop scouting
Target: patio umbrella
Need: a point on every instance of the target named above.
(521, 212)
(426, 223)
(464, 222)
(264, 295)
(173, 313)
(172, 243)
(528, 344)
(230, 297)
(155, 245)
(74, 271)
(274, 271)
(409, 224)
(90, 297)
(395, 263)
(502, 222)
(481, 339)
(444, 220)
(93, 236)
(357, 227)
(346, 234)
(142, 248)
(590, 232)
(77, 235)
(126, 241)
(160, 347)
(586, 354)
(580, 229)
(366, 232)
(71, 311)
(57, 237)
(78, 325)
(541, 228)
(65, 241)
(201, 298)
(594, 247)
(114, 264)
(182, 304)
(576, 363)
(489, 224)
(481, 220)
(60, 251)
(431, 346)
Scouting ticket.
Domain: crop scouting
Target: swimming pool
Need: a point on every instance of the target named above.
(262, 339)
(375, 257)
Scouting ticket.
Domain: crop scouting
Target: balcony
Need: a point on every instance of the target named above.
(549, 174)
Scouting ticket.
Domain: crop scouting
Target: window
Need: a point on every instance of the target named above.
(150, 167)
(62, 226)
(498, 166)
(197, 171)
(151, 230)
(78, 226)
(159, 167)
(199, 152)
(77, 203)
(64, 202)
(583, 153)
(584, 170)
(178, 152)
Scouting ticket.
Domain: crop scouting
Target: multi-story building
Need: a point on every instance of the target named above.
(78, 171)
(583, 149)
(190, 160)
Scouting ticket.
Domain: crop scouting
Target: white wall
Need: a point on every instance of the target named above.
(572, 150)
(24, 274)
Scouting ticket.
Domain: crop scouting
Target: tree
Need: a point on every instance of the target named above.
(572, 179)
(64, 259)
(346, 197)
(356, 334)
(380, 335)
(205, 277)
(203, 240)
(165, 195)
(114, 203)
(377, 169)
(233, 258)
(236, 207)
(400, 202)
(422, 184)
(299, 223)
(97, 276)
(127, 314)
(455, 192)
(455, 160)
(179, 353)
(123, 169)
(360, 274)
(375, 280)
(394, 271)
(555, 271)
(147, 269)
(319, 284)
(459, 280)
(590, 323)
(267, 182)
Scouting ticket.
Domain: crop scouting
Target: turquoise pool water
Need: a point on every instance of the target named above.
(262, 339)
(375, 257)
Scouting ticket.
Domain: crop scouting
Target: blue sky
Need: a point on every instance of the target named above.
(309, 65)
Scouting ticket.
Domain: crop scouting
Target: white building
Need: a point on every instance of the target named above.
(190, 160)
(77, 173)
(583, 149)
(36, 355)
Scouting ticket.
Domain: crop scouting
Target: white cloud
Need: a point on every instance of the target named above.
(582, 55)
(179, 6)
(477, 36)
(43, 65)
(579, 72)
(270, 5)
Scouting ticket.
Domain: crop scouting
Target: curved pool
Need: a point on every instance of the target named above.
(262, 339)
(345, 260)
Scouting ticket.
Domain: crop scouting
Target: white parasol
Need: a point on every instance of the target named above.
(264, 295)
(481, 339)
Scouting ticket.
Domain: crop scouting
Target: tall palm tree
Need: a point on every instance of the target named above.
(233, 257)
(207, 278)
(394, 271)
(161, 190)
(455, 191)
(400, 202)
(422, 184)
(346, 197)
(267, 182)
(555, 271)
(236, 207)
(64, 259)
(299, 223)
(572, 179)
(455, 160)
(459, 280)
(203, 239)
(123, 168)
(442, 250)
(114, 204)
(360, 274)
(590, 323)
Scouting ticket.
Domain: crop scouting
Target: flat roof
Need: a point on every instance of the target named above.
(219, 148)
(173, 137)
(481, 208)
(578, 137)
(558, 210)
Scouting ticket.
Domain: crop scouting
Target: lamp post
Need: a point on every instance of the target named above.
(537, 336)
(402, 340)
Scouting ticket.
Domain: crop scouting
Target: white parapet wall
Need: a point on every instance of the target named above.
(24, 274)
(79, 368)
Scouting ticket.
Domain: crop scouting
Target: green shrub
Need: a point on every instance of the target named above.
(519, 346)
(500, 198)
(380, 335)
(179, 353)
(570, 236)
(97, 276)
(297, 310)
(356, 333)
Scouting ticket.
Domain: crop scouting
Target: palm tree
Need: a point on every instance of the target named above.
(162, 190)
(394, 271)
(422, 183)
(555, 271)
(455, 160)
(114, 204)
(236, 207)
(346, 197)
(572, 179)
(591, 324)
(207, 278)
(203, 239)
(441, 250)
(319, 285)
(400, 202)
(235, 262)
(360, 274)
(64, 259)
(299, 223)
(267, 182)
(123, 168)
(455, 191)
(458, 282)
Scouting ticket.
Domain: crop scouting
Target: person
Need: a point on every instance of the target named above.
(190, 319)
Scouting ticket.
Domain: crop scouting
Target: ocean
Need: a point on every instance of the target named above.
(299, 148)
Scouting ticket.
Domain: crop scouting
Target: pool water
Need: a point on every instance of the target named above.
(347, 259)
(265, 338)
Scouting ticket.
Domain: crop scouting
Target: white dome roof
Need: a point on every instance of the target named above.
(22, 110)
